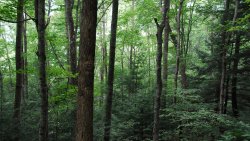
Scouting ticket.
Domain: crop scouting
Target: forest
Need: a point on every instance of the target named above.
(124, 70)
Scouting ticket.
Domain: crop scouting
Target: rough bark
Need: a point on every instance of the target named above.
(178, 22)
(41, 27)
(71, 39)
(157, 99)
(223, 58)
(108, 108)
(19, 69)
(84, 119)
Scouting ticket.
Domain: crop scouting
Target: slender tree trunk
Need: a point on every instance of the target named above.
(19, 69)
(71, 39)
(157, 100)
(41, 27)
(103, 70)
(25, 75)
(84, 118)
(223, 59)
(178, 18)
(131, 59)
(108, 112)
(165, 60)
(234, 76)
(122, 74)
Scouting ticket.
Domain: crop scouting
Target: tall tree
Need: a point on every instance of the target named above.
(25, 60)
(108, 108)
(19, 69)
(157, 99)
(235, 62)
(103, 69)
(84, 119)
(71, 39)
(223, 56)
(165, 58)
(178, 45)
(41, 28)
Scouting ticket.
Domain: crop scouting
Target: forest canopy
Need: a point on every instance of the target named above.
(124, 70)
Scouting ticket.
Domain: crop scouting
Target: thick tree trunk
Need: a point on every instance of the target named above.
(223, 59)
(234, 76)
(19, 69)
(41, 27)
(71, 39)
(157, 99)
(84, 119)
(108, 112)
(178, 22)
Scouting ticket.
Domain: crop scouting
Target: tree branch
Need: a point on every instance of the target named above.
(11, 21)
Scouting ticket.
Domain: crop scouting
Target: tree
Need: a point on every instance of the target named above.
(84, 118)
(19, 70)
(178, 22)
(165, 58)
(41, 29)
(108, 108)
(71, 39)
(157, 99)
(223, 57)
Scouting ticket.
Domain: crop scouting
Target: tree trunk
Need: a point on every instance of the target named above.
(41, 27)
(157, 100)
(19, 69)
(178, 18)
(84, 119)
(103, 70)
(234, 76)
(223, 59)
(25, 60)
(71, 39)
(108, 112)
(165, 60)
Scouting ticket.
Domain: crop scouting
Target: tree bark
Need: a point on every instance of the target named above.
(165, 59)
(84, 119)
(103, 70)
(71, 39)
(25, 61)
(223, 58)
(108, 112)
(234, 76)
(157, 99)
(41, 28)
(178, 18)
(19, 70)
